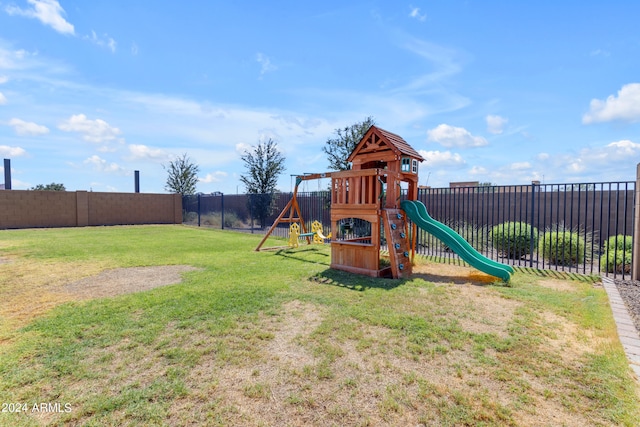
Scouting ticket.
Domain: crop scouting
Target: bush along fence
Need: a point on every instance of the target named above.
(584, 228)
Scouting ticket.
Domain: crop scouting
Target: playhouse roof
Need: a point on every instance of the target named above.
(380, 140)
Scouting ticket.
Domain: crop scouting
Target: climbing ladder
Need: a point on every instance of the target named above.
(395, 229)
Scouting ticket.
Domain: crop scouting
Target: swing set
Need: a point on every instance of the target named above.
(297, 227)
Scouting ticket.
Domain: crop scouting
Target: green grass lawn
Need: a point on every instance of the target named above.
(277, 338)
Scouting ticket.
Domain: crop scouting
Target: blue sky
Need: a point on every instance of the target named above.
(492, 91)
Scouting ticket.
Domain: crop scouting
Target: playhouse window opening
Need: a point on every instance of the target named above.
(354, 230)
(406, 164)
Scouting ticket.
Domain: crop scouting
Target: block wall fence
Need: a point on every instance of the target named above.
(33, 209)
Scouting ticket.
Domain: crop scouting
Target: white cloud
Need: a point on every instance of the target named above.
(143, 152)
(3, 99)
(23, 128)
(615, 155)
(102, 165)
(478, 170)
(616, 160)
(415, 13)
(495, 124)
(217, 176)
(625, 107)
(441, 158)
(612, 153)
(21, 59)
(576, 166)
(97, 131)
(241, 147)
(519, 166)
(104, 41)
(7, 151)
(265, 63)
(445, 63)
(450, 136)
(624, 148)
(49, 12)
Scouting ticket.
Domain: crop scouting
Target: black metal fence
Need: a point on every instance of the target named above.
(577, 228)
(243, 212)
(583, 228)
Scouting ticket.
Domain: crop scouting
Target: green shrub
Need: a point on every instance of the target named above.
(214, 219)
(619, 242)
(211, 220)
(232, 220)
(514, 239)
(562, 247)
(616, 260)
(617, 254)
(189, 216)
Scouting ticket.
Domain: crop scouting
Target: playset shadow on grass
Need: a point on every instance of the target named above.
(367, 212)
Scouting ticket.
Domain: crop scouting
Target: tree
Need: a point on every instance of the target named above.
(182, 176)
(338, 149)
(49, 187)
(264, 164)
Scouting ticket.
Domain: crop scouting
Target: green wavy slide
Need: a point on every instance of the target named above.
(417, 212)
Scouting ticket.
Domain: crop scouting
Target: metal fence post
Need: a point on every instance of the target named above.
(251, 210)
(635, 266)
(222, 208)
(532, 237)
(198, 210)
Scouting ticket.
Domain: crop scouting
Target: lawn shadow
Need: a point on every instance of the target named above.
(557, 274)
(455, 274)
(475, 279)
(311, 255)
(354, 282)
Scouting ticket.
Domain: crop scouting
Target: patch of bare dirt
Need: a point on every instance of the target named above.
(121, 281)
(477, 307)
(451, 273)
(483, 310)
(557, 285)
(569, 341)
(374, 379)
(300, 319)
(29, 290)
(257, 390)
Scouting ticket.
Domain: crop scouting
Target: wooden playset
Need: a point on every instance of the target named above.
(383, 165)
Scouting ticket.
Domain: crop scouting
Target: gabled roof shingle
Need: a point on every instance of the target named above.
(395, 142)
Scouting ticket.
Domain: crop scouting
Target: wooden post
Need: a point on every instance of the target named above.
(635, 268)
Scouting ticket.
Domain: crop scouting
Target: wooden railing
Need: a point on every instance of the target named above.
(356, 188)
